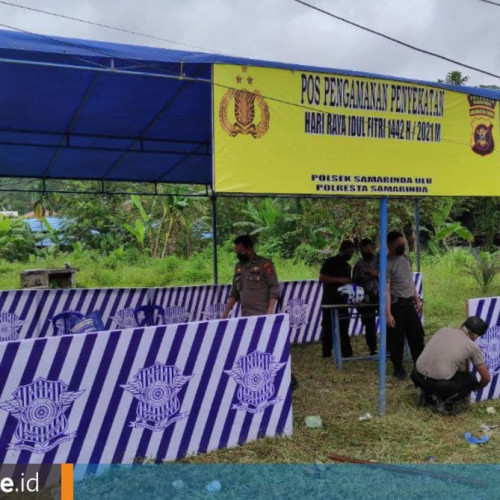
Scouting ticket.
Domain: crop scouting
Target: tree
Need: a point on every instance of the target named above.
(455, 78)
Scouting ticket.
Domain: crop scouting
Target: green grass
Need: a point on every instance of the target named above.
(124, 270)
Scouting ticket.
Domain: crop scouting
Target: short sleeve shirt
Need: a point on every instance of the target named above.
(334, 267)
(254, 284)
(400, 275)
(446, 353)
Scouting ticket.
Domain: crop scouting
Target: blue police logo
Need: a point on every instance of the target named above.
(40, 410)
(156, 388)
(10, 325)
(297, 310)
(490, 345)
(255, 374)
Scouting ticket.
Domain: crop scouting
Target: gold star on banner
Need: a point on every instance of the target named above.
(244, 69)
(238, 79)
(250, 80)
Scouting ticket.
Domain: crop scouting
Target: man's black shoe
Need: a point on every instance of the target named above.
(400, 374)
(294, 383)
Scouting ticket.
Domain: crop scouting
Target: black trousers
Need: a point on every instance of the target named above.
(326, 336)
(408, 326)
(454, 389)
(368, 320)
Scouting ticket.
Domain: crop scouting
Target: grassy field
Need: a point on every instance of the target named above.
(407, 434)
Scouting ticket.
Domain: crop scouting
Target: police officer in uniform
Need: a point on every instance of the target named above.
(255, 283)
(403, 305)
(441, 371)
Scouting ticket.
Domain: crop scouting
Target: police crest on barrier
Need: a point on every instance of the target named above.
(255, 374)
(490, 345)
(40, 410)
(156, 388)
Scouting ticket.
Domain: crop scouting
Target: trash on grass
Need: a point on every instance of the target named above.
(474, 440)
(320, 466)
(490, 410)
(366, 416)
(309, 471)
(213, 487)
(314, 421)
(178, 484)
(485, 428)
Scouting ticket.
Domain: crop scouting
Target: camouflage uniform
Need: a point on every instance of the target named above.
(361, 276)
(254, 284)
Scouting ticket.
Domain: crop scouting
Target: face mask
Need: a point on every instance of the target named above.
(400, 250)
(367, 256)
(242, 257)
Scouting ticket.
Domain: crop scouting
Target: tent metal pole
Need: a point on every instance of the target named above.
(417, 232)
(213, 200)
(104, 69)
(382, 306)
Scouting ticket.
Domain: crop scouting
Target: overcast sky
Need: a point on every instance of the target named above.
(283, 30)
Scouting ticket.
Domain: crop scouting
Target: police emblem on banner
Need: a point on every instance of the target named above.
(10, 324)
(482, 112)
(237, 113)
(40, 410)
(156, 389)
(490, 345)
(255, 374)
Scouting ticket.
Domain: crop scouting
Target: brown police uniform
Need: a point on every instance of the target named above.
(254, 284)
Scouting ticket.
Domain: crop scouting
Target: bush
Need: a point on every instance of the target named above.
(309, 255)
(483, 267)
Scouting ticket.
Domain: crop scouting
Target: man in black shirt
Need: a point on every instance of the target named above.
(336, 272)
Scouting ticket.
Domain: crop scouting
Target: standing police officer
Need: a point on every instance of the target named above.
(255, 283)
(403, 305)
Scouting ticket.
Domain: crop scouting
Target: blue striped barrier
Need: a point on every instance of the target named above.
(160, 392)
(488, 309)
(35, 308)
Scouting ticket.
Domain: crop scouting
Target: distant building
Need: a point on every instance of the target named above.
(39, 230)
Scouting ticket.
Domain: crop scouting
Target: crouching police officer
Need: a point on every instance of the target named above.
(441, 370)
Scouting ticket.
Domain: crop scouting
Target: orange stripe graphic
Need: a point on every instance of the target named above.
(66, 481)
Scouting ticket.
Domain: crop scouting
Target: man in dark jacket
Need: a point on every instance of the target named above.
(336, 272)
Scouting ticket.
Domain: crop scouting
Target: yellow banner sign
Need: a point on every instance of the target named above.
(290, 132)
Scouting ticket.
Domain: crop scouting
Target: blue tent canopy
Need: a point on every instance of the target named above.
(76, 109)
